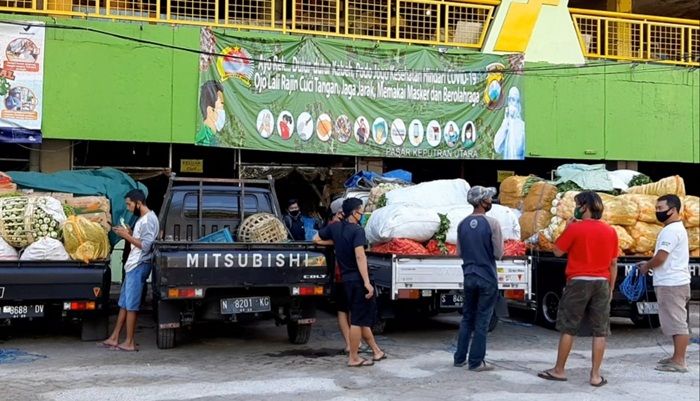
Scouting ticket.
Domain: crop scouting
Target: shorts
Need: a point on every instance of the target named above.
(340, 298)
(132, 287)
(673, 312)
(585, 298)
(363, 311)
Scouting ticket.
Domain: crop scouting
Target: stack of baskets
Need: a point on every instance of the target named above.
(262, 228)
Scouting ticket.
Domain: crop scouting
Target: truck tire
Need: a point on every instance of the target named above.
(298, 333)
(165, 338)
(643, 321)
(94, 329)
(494, 322)
(547, 307)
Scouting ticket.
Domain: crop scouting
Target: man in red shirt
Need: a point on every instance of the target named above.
(591, 246)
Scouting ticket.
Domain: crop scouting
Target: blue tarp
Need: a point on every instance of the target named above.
(368, 179)
(109, 182)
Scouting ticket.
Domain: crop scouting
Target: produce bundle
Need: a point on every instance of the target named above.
(24, 220)
(514, 248)
(669, 185)
(7, 252)
(85, 240)
(401, 246)
(6, 184)
(539, 197)
(510, 192)
(691, 211)
(45, 249)
(377, 197)
(533, 222)
(93, 208)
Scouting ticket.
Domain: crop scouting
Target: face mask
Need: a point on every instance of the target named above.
(220, 119)
(663, 216)
(486, 206)
(578, 213)
(294, 213)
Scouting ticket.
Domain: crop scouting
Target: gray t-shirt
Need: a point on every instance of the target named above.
(480, 243)
(146, 230)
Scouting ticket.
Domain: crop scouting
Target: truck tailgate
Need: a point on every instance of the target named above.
(36, 281)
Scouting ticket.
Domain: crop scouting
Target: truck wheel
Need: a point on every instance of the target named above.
(494, 322)
(298, 333)
(547, 310)
(379, 327)
(644, 321)
(165, 338)
(94, 329)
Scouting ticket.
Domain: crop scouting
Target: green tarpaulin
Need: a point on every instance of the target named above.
(109, 182)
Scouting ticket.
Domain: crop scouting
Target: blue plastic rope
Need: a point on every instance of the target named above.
(634, 286)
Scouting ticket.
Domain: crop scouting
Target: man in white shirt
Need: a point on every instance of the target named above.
(671, 280)
(137, 268)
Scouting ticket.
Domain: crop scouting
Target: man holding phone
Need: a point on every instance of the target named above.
(137, 268)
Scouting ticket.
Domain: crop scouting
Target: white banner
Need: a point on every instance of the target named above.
(21, 80)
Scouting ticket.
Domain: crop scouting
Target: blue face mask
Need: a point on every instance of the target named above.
(220, 119)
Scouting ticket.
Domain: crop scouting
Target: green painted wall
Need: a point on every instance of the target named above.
(614, 112)
(105, 88)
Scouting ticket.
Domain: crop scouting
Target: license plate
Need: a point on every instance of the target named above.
(245, 305)
(648, 308)
(21, 311)
(451, 301)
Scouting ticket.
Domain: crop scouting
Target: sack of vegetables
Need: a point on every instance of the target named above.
(24, 220)
(85, 240)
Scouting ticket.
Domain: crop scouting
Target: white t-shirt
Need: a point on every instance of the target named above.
(146, 230)
(675, 271)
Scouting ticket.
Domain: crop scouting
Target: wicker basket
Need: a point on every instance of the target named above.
(262, 228)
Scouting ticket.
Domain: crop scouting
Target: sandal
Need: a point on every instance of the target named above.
(603, 381)
(381, 358)
(364, 363)
(672, 367)
(547, 375)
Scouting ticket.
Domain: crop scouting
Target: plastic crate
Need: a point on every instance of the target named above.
(221, 236)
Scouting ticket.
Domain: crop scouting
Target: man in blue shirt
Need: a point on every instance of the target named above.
(480, 243)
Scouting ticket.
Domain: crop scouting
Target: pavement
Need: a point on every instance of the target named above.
(255, 362)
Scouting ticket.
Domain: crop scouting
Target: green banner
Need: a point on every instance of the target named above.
(333, 96)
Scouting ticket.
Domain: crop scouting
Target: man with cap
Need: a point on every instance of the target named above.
(479, 244)
(349, 240)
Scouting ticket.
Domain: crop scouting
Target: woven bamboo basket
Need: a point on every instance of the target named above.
(262, 228)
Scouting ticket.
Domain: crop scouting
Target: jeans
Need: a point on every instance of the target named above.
(480, 297)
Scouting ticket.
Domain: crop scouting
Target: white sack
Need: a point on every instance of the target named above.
(431, 195)
(621, 178)
(510, 226)
(401, 221)
(45, 249)
(456, 215)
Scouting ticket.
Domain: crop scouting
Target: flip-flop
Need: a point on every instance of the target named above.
(362, 364)
(671, 367)
(103, 345)
(665, 361)
(120, 348)
(381, 358)
(603, 381)
(547, 375)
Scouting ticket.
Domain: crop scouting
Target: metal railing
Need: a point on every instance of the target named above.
(634, 37)
(437, 22)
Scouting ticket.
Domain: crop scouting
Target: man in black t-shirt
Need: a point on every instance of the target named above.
(349, 240)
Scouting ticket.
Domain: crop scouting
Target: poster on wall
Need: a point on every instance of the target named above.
(331, 96)
(21, 81)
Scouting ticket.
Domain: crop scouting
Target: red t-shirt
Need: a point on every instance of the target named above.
(590, 246)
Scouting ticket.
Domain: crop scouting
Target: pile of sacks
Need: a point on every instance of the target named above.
(632, 215)
(414, 213)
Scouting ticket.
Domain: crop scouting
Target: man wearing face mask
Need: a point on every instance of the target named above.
(480, 243)
(671, 280)
(591, 246)
(211, 105)
(294, 221)
(137, 267)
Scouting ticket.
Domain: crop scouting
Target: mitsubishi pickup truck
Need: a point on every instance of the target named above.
(231, 281)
